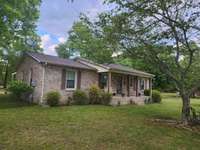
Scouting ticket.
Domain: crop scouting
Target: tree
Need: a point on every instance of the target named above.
(86, 42)
(63, 51)
(161, 32)
(17, 34)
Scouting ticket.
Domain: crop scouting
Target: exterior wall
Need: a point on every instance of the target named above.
(88, 78)
(53, 81)
(197, 93)
(116, 100)
(24, 74)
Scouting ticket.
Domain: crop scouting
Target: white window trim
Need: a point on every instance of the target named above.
(75, 84)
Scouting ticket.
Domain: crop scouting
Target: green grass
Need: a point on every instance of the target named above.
(25, 126)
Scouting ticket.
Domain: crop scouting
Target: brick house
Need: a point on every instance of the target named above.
(46, 73)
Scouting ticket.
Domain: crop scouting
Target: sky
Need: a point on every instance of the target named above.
(58, 16)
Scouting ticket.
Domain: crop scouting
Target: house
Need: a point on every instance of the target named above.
(46, 73)
(197, 93)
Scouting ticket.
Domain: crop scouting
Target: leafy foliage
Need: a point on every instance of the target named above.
(147, 92)
(80, 97)
(18, 33)
(105, 98)
(156, 96)
(164, 34)
(85, 41)
(63, 51)
(94, 95)
(18, 88)
(52, 98)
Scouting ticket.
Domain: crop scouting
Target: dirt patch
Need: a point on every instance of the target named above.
(176, 124)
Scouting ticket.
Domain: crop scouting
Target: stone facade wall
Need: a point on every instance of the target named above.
(53, 81)
(88, 78)
(24, 74)
(116, 100)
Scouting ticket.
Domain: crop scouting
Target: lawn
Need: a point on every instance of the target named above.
(24, 126)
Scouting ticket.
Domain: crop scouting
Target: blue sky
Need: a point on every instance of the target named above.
(58, 16)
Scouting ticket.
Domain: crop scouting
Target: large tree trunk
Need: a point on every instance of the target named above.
(185, 109)
(6, 77)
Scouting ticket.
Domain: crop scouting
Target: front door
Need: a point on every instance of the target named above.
(119, 85)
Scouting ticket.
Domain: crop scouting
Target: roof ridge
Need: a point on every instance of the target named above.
(49, 55)
(55, 60)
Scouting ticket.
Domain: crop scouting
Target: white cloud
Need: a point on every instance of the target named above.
(48, 44)
(44, 40)
(50, 50)
(61, 39)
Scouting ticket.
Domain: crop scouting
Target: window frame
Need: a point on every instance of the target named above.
(75, 79)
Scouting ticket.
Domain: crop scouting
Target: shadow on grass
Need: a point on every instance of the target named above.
(164, 117)
(8, 101)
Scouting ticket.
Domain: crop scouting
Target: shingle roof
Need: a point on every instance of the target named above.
(54, 60)
(118, 67)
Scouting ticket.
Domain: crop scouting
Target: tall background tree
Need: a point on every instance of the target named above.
(85, 41)
(18, 32)
(163, 33)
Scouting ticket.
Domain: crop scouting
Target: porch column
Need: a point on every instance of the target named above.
(150, 86)
(109, 82)
(136, 86)
(128, 84)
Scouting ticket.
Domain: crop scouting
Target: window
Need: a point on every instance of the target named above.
(71, 80)
(141, 84)
(103, 80)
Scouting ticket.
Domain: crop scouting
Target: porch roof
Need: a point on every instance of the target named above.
(127, 70)
(113, 68)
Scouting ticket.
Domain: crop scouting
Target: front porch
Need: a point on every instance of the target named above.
(125, 88)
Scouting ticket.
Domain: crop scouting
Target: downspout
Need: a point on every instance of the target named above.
(43, 82)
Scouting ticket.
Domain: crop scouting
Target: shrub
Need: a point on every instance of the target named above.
(94, 95)
(105, 98)
(18, 88)
(80, 97)
(147, 92)
(52, 98)
(156, 96)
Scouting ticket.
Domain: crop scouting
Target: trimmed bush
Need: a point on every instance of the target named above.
(52, 98)
(18, 88)
(80, 97)
(105, 98)
(146, 92)
(156, 96)
(94, 95)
